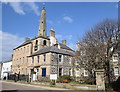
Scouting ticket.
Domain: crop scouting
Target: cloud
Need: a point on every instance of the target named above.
(9, 41)
(17, 7)
(68, 19)
(34, 7)
(23, 7)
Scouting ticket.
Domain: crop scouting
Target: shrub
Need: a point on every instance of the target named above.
(64, 79)
(68, 77)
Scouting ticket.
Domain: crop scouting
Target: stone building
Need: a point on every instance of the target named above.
(115, 63)
(43, 55)
(6, 69)
(80, 73)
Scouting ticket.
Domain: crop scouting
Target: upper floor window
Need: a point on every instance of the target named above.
(38, 58)
(23, 59)
(44, 58)
(32, 60)
(36, 45)
(85, 73)
(21, 50)
(27, 48)
(27, 59)
(44, 42)
(20, 59)
(59, 58)
(24, 49)
(115, 57)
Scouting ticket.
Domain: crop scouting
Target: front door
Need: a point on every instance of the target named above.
(60, 71)
(43, 72)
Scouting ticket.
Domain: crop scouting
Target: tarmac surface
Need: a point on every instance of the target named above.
(19, 87)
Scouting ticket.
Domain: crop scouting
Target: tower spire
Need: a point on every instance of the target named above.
(42, 26)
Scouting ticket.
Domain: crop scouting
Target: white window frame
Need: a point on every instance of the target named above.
(116, 72)
(59, 58)
(44, 58)
(32, 60)
(85, 73)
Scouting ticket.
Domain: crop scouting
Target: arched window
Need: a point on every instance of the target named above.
(36, 43)
(44, 42)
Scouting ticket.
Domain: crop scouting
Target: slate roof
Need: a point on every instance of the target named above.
(26, 42)
(29, 41)
(64, 46)
(52, 49)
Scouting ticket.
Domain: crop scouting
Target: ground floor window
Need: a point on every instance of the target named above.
(43, 72)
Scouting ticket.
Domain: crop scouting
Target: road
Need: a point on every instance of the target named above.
(18, 87)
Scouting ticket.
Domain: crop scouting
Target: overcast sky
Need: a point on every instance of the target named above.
(69, 20)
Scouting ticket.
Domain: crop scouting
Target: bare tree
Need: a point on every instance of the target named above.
(98, 45)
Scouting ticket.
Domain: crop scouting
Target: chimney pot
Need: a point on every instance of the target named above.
(26, 38)
(52, 33)
(64, 42)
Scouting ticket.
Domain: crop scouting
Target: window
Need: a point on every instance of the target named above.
(24, 49)
(44, 58)
(116, 71)
(115, 57)
(44, 42)
(26, 59)
(32, 60)
(26, 70)
(77, 73)
(59, 58)
(7, 69)
(38, 58)
(37, 73)
(19, 71)
(27, 48)
(85, 73)
(23, 59)
(21, 50)
(36, 45)
(70, 62)
(60, 71)
(20, 59)
(43, 72)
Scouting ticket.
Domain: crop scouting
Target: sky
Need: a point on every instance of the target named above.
(70, 20)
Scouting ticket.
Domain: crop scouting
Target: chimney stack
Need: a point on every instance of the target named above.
(64, 42)
(26, 39)
(52, 32)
